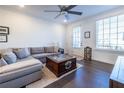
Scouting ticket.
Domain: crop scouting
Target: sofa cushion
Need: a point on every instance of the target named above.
(25, 59)
(19, 64)
(22, 52)
(2, 62)
(19, 69)
(9, 57)
(37, 50)
(5, 50)
(43, 55)
(49, 49)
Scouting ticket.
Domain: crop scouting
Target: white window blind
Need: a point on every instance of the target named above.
(76, 37)
(110, 33)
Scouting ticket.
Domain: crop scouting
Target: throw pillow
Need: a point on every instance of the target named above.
(2, 62)
(9, 57)
(49, 49)
(22, 52)
(37, 50)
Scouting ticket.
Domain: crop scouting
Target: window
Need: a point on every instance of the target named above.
(110, 33)
(77, 37)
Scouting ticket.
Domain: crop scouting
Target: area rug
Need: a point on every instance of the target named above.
(48, 77)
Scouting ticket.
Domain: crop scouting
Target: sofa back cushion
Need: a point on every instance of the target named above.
(2, 62)
(5, 50)
(9, 57)
(37, 50)
(49, 49)
(22, 52)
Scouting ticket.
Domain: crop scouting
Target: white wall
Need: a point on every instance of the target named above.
(29, 31)
(88, 24)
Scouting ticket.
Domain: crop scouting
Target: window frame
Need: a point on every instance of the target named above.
(80, 37)
(117, 29)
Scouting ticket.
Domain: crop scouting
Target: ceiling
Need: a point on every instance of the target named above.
(38, 11)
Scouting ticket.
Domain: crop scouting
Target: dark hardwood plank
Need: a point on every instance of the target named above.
(93, 74)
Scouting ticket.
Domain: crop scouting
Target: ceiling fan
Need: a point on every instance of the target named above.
(65, 10)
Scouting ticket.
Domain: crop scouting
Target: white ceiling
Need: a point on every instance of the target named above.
(38, 11)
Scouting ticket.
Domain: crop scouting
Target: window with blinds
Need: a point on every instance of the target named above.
(110, 33)
(76, 37)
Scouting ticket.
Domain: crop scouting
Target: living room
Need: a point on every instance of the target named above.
(45, 46)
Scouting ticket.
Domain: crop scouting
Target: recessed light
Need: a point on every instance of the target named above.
(21, 6)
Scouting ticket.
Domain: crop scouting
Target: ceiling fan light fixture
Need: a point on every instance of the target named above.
(65, 20)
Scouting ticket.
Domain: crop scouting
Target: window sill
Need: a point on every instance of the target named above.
(76, 48)
(110, 50)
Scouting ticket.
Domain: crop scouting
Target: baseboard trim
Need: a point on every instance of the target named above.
(102, 62)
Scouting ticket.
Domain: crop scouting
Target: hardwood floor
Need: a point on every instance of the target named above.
(93, 74)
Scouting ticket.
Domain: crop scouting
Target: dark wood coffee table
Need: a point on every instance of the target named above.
(61, 64)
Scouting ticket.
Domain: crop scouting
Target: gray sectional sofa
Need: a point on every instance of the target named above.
(42, 52)
(20, 73)
(26, 69)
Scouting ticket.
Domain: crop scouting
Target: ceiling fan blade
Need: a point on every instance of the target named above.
(51, 11)
(57, 16)
(75, 12)
(70, 7)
